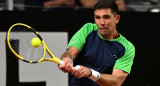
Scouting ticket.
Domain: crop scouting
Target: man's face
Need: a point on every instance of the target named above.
(106, 22)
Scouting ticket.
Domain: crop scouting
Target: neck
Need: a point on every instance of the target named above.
(113, 35)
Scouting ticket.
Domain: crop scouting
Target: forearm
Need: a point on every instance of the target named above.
(68, 57)
(66, 54)
(115, 79)
(52, 3)
(121, 5)
(71, 53)
(109, 80)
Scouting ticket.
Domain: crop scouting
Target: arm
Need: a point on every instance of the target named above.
(115, 79)
(88, 3)
(72, 52)
(75, 45)
(69, 55)
(68, 3)
(51, 3)
(121, 5)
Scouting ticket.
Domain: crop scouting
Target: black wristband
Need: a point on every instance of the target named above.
(90, 73)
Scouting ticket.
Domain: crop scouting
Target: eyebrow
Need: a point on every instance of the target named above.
(103, 15)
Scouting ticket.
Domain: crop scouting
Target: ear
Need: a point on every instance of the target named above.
(117, 18)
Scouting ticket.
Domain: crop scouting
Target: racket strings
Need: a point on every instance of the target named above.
(22, 37)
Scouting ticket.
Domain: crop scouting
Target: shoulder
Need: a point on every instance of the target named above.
(90, 26)
(125, 42)
(125, 62)
(87, 29)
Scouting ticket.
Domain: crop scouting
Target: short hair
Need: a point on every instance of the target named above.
(106, 4)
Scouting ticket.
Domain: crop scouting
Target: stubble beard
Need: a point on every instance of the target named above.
(104, 33)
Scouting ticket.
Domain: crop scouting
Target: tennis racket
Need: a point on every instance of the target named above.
(19, 38)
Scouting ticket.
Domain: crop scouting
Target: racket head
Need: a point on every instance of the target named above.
(19, 37)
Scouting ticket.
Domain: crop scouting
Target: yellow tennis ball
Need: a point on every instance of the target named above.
(36, 42)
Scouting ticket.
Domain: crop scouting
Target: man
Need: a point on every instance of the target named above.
(104, 56)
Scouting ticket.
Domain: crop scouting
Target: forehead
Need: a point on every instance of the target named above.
(103, 11)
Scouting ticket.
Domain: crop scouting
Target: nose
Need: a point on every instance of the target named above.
(102, 22)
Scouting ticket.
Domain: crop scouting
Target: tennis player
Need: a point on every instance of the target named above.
(105, 56)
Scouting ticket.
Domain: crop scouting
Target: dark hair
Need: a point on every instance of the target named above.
(106, 4)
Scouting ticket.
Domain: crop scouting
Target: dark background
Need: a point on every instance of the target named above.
(141, 28)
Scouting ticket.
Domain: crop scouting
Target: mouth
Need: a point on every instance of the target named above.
(104, 28)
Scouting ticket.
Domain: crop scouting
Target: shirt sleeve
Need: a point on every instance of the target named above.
(125, 62)
(79, 38)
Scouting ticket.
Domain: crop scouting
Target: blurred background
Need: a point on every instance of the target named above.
(58, 20)
(124, 5)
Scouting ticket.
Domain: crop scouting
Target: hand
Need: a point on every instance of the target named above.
(81, 72)
(67, 66)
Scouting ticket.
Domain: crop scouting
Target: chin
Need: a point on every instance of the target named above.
(104, 34)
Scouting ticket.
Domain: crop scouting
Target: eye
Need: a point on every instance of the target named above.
(106, 16)
(96, 17)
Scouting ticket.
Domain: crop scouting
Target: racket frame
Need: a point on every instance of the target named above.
(53, 59)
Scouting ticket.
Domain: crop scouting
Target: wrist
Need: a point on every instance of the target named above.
(69, 60)
(90, 73)
(95, 75)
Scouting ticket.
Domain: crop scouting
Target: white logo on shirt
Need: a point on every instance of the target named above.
(115, 56)
(73, 42)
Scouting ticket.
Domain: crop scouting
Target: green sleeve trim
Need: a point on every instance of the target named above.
(79, 38)
(125, 62)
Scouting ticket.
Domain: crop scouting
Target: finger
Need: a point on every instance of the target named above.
(73, 71)
(65, 71)
(76, 73)
(61, 66)
(80, 74)
(69, 67)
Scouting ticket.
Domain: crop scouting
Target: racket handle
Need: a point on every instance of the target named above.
(76, 67)
(61, 62)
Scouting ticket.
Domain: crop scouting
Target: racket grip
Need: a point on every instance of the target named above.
(61, 62)
(76, 67)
